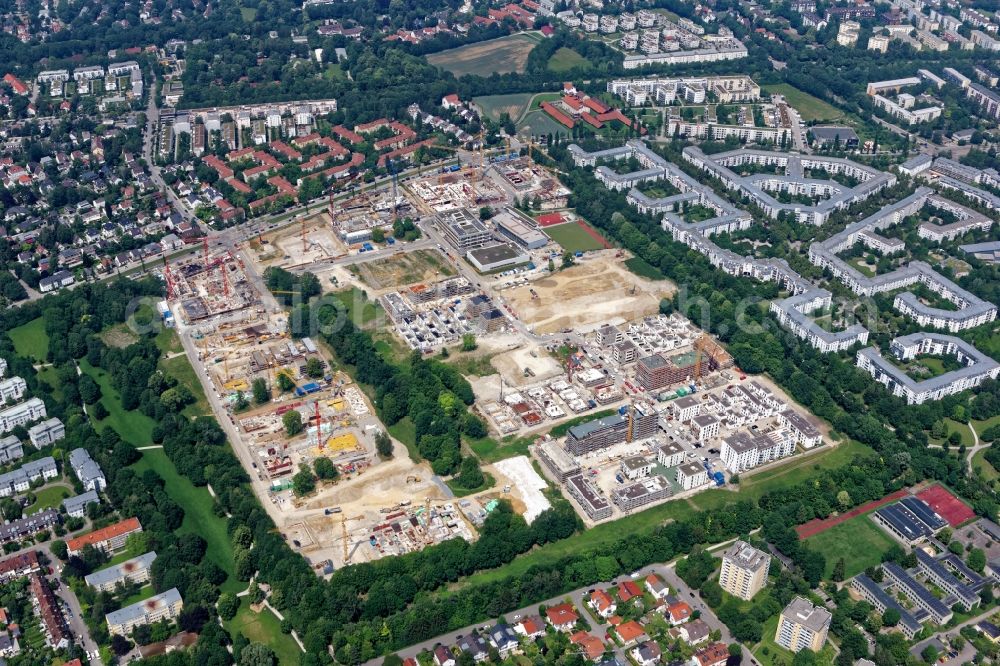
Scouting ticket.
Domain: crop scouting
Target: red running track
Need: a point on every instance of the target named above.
(819, 525)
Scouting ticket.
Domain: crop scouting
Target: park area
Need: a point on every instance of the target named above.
(565, 59)
(808, 106)
(858, 541)
(31, 340)
(501, 56)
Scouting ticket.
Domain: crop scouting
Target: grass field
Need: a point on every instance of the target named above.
(180, 369)
(539, 123)
(986, 469)
(31, 340)
(565, 59)
(249, 14)
(48, 498)
(502, 56)
(859, 541)
(572, 237)
(134, 427)
(643, 268)
(406, 432)
(265, 628)
(809, 107)
(199, 518)
(51, 379)
(493, 106)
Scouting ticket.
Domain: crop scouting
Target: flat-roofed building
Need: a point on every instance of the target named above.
(636, 467)
(463, 229)
(496, 256)
(166, 605)
(870, 591)
(561, 464)
(589, 497)
(803, 626)
(691, 475)
(609, 430)
(523, 232)
(744, 570)
(11, 449)
(670, 454)
(639, 494)
(936, 571)
(921, 597)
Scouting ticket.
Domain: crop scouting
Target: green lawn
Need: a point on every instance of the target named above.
(265, 628)
(49, 376)
(199, 518)
(565, 59)
(404, 431)
(859, 541)
(502, 56)
(361, 311)
(643, 268)
(31, 340)
(168, 342)
(988, 471)
(980, 426)
(48, 498)
(809, 107)
(180, 369)
(963, 431)
(572, 237)
(538, 123)
(491, 450)
(145, 592)
(133, 426)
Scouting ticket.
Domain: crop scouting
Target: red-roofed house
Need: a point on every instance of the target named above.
(451, 101)
(569, 88)
(347, 135)
(562, 617)
(591, 120)
(715, 654)
(592, 646)
(628, 589)
(530, 626)
(679, 613)
(16, 84)
(602, 603)
(630, 632)
(443, 656)
(547, 30)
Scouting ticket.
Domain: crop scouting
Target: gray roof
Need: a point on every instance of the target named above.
(72, 504)
(138, 609)
(803, 612)
(746, 556)
(119, 572)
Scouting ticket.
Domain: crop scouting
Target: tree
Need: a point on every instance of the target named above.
(325, 469)
(292, 420)
(383, 445)
(285, 383)
(261, 392)
(977, 559)
(470, 476)
(304, 482)
(735, 649)
(99, 411)
(844, 500)
(838, 570)
(120, 645)
(89, 391)
(257, 654)
(314, 367)
(59, 549)
(890, 618)
(567, 259)
(378, 235)
(930, 654)
(229, 603)
(241, 404)
(10, 509)
(469, 342)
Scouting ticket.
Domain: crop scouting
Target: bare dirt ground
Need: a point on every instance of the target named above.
(598, 290)
(402, 269)
(511, 365)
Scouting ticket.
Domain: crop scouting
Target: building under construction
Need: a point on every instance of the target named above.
(631, 423)
(209, 284)
(658, 371)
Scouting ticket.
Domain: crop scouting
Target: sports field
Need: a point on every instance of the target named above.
(575, 237)
(810, 108)
(493, 106)
(502, 56)
(859, 541)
